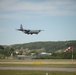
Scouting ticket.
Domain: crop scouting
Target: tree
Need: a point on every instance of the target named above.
(1, 47)
(8, 51)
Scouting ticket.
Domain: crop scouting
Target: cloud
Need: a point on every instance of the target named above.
(29, 8)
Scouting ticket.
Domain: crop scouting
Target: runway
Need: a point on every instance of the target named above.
(38, 68)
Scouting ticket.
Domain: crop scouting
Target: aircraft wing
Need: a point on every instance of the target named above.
(26, 31)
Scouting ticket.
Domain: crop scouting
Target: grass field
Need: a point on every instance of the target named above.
(67, 63)
(58, 63)
(32, 60)
(23, 72)
(40, 63)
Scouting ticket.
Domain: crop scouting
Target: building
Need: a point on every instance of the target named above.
(44, 53)
(22, 57)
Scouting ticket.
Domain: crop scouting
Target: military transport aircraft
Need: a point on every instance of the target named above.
(28, 31)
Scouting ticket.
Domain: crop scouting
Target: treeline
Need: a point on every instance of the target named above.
(5, 51)
(48, 46)
(67, 55)
(56, 48)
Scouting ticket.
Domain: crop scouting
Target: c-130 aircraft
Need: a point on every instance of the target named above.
(28, 31)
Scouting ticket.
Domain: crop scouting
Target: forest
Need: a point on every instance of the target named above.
(55, 47)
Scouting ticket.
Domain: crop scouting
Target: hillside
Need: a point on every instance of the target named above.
(48, 46)
(56, 48)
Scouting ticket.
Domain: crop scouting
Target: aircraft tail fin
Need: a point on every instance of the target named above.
(21, 27)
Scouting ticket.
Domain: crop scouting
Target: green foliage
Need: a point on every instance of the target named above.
(48, 46)
(8, 51)
(30, 72)
(1, 47)
(5, 51)
(56, 48)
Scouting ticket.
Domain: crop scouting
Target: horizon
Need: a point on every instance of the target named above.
(39, 41)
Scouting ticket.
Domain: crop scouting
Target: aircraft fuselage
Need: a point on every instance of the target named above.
(28, 31)
(31, 31)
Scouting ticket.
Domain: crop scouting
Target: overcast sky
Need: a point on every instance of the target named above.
(56, 17)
